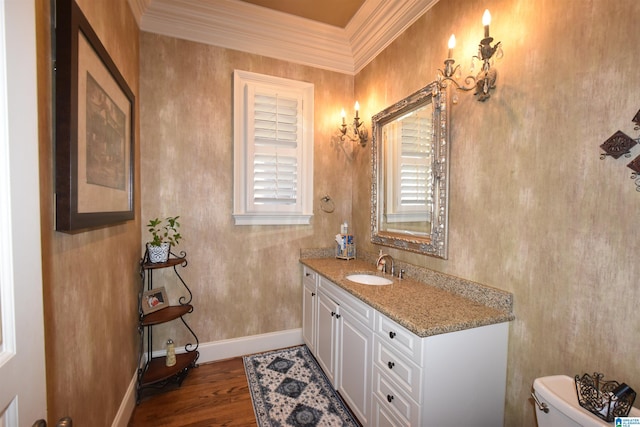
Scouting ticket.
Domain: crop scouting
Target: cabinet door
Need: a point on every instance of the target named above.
(309, 317)
(327, 336)
(354, 361)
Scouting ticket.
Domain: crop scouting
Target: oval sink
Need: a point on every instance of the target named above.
(369, 279)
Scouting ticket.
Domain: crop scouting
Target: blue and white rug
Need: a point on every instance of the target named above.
(288, 388)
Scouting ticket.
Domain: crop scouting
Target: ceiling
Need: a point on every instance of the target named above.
(332, 12)
(338, 35)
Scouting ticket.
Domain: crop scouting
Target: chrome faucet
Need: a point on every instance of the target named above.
(384, 265)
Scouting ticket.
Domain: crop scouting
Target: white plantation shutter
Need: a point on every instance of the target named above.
(415, 159)
(275, 179)
(273, 150)
(275, 159)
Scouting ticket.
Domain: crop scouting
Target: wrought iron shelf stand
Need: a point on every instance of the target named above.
(153, 372)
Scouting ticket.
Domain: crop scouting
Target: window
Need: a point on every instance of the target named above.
(273, 150)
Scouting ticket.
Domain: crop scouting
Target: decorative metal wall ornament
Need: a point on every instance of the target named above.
(635, 163)
(620, 144)
(617, 145)
(635, 167)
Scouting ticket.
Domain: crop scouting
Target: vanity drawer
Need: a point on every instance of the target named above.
(393, 398)
(398, 367)
(399, 338)
(384, 416)
(309, 276)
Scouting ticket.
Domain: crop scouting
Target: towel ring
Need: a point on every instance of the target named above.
(326, 204)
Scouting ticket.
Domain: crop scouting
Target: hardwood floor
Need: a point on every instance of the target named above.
(213, 394)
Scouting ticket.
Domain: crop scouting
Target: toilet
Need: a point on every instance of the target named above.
(558, 394)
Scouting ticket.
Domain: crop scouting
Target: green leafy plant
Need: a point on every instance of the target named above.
(164, 231)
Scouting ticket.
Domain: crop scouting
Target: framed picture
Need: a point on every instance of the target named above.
(94, 128)
(154, 300)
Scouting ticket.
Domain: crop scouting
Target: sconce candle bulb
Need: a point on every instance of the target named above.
(451, 44)
(357, 107)
(343, 115)
(486, 21)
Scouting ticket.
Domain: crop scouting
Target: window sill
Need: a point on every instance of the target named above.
(271, 219)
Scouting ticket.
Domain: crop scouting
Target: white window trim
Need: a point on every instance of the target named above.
(244, 211)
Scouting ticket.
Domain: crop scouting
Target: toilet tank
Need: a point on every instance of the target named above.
(558, 392)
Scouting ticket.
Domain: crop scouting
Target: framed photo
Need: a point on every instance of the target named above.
(94, 128)
(154, 300)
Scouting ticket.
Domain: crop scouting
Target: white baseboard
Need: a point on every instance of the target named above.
(211, 352)
(128, 404)
(227, 349)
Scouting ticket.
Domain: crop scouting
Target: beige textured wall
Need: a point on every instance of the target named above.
(533, 209)
(90, 279)
(245, 279)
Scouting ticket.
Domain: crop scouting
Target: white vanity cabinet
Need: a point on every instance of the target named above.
(344, 346)
(390, 376)
(309, 307)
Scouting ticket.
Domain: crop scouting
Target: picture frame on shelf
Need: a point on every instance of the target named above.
(154, 300)
(94, 129)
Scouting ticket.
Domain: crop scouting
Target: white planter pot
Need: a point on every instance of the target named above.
(158, 253)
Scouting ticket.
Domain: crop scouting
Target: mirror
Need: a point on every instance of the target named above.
(410, 173)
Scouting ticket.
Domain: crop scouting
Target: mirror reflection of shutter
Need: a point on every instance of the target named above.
(415, 153)
(275, 155)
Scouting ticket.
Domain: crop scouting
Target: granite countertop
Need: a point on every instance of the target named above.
(423, 309)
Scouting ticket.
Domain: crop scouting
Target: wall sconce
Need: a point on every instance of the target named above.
(357, 132)
(486, 78)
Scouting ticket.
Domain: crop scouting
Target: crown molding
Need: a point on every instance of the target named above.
(378, 23)
(234, 24)
(138, 8)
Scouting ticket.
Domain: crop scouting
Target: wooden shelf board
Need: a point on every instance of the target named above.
(147, 265)
(166, 314)
(158, 371)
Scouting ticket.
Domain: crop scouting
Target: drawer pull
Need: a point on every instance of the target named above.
(313, 294)
(333, 313)
(337, 316)
(392, 334)
(389, 398)
(391, 365)
(308, 274)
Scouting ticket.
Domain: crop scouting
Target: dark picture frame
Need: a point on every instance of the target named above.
(154, 300)
(94, 128)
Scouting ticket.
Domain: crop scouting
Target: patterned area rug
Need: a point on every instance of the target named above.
(288, 388)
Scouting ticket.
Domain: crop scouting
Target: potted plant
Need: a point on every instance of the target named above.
(165, 233)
